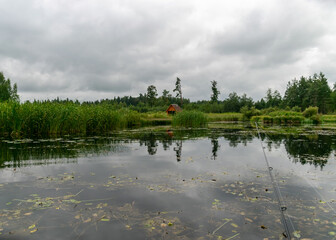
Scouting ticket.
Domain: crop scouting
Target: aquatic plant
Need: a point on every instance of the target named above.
(57, 119)
(328, 118)
(189, 119)
(232, 117)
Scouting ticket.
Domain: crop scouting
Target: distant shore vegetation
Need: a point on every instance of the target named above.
(306, 100)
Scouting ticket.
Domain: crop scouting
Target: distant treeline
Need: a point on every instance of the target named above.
(299, 95)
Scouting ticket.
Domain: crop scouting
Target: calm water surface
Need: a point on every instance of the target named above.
(205, 184)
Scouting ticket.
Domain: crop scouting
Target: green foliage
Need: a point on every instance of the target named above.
(215, 91)
(311, 91)
(273, 99)
(151, 94)
(217, 117)
(249, 112)
(316, 118)
(190, 119)
(7, 92)
(57, 119)
(178, 88)
(296, 109)
(310, 111)
(328, 118)
(279, 117)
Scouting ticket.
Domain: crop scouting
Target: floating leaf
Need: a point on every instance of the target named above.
(332, 233)
(297, 234)
(32, 226)
(34, 230)
(105, 220)
(234, 225)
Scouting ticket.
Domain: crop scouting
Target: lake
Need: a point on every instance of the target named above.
(162, 184)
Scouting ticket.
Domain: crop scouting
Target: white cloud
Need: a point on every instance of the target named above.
(100, 49)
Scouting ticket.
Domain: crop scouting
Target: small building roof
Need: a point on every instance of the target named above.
(176, 107)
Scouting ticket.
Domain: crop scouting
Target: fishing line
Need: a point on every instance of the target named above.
(309, 182)
(282, 206)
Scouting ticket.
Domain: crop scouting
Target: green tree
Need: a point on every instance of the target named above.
(319, 92)
(311, 91)
(151, 94)
(232, 103)
(333, 98)
(215, 91)
(178, 89)
(165, 96)
(7, 92)
(273, 99)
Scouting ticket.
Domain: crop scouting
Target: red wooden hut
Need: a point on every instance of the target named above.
(173, 109)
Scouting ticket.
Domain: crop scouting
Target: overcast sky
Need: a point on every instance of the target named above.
(88, 50)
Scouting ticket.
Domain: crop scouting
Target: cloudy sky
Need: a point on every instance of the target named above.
(88, 50)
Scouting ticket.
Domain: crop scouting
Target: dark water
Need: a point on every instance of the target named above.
(204, 184)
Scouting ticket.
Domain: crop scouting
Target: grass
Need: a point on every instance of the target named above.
(328, 118)
(52, 119)
(57, 119)
(280, 117)
(190, 119)
(219, 117)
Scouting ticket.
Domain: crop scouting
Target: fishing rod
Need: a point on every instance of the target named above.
(282, 206)
(314, 187)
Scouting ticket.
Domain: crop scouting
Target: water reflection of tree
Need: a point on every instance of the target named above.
(309, 149)
(178, 150)
(235, 139)
(215, 147)
(149, 140)
(313, 149)
(20, 154)
(166, 143)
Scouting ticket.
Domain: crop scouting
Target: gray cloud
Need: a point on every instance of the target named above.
(92, 50)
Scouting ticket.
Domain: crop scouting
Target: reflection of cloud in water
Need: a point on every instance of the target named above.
(146, 186)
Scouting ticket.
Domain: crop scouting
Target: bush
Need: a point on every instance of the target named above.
(249, 112)
(316, 119)
(296, 109)
(310, 111)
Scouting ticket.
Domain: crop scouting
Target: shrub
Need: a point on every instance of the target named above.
(310, 111)
(249, 112)
(296, 109)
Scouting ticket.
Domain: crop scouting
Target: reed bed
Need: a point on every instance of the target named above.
(57, 119)
(190, 119)
(223, 117)
(328, 118)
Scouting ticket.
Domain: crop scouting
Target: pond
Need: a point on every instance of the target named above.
(162, 184)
